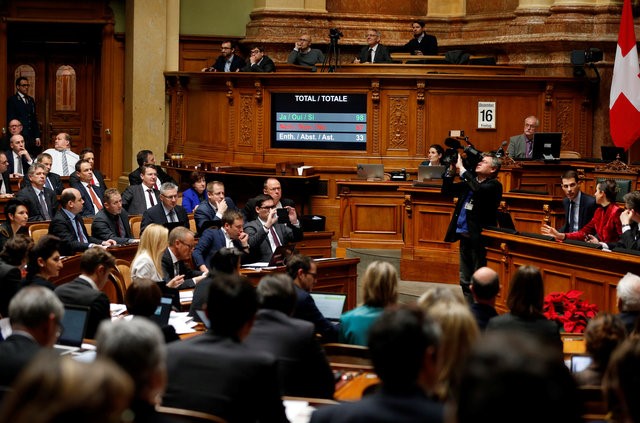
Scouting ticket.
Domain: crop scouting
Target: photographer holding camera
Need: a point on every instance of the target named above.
(303, 55)
(479, 194)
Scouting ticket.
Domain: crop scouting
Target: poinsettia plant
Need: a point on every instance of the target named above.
(568, 310)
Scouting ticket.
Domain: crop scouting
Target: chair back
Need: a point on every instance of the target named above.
(37, 229)
(135, 221)
(568, 154)
(347, 356)
(188, 416)
(118, 287)
(88, 221)
(124, 267)
(192, 223)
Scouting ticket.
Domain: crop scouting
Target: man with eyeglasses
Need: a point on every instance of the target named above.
(22, 106)
(15, 128)
(303, 55)
(168, 212)
(521, 146)
(259, 62)
(228, 61)
(578, 206)
(373, 52)
(5, 181)
(175, 262)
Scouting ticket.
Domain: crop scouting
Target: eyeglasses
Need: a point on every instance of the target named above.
(170, 197)
(255, 52)
(191, 246)
(372, 35)
(268, 207)
(15, 126)
(225, 48)
(25, 85)
(303, 39)
(315, 275)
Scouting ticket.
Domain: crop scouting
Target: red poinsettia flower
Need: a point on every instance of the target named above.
(568, 310)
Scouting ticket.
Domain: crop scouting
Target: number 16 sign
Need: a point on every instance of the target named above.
(486, 115)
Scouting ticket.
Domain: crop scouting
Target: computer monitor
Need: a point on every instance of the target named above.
(610, 153)
(546, 145)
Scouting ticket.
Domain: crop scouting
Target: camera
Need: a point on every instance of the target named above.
(472, 155)
(335, 34)
(590, 55)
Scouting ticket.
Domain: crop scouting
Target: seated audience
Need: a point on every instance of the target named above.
(628, 300)
(142, 299)
(18, 157)
(146, 157)
(112, 222)
(91, 194)
(64, 160)
(509, 377)
(266, 234)
(167, 211)
(56, 388)
(403, 344)
(629, 219)
(44, 262)
(136, 199)
(176, 261)
(97, 177)
(35, 323)
(215, 372)
(231, 235)
(303, 369)
(13, 257)
(605, 228)
(86, 290)
(137, 347)
(270, 187)
(373, 52)
(422, 44)
(602, 336)
(525, 300)
(68, 225)
(379, 290)
(434, 156)
(620, 384)
(210, 211)
(485, 286)
(40, 200)
(258, 61)
(303, 55)
(17, 217)
(5, 178)
(52, 180)
(195, 194)
(304, 272)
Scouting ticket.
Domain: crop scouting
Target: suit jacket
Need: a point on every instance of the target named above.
(486, 199)
(237, 63)
(15, 353)
(134, 201)
(409, 405)
(206, 213)
(88, 209)
(250, 208)
(73, 179)
(210, 241)
(586, 210)
(12, 166)
(224, 377)
(104, 226)
(264, 65)
(80, 292)
(29, 197)
(306, 309)
(6, 180)
(10, 277)
(135, 179)
(545, 330)
(156, 214)
(169, 271)
(605, 225)
(382, 55)
(62, 227)
(428, 46)
(26, 114)
(629, 239)
(517, 147)
(303, 369)
(259, 245)
(53, 179)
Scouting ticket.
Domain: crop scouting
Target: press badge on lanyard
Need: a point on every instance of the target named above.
(469, 205)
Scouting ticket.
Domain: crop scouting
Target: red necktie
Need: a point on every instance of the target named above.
(276, 241)
(94, 197)
(150, 192)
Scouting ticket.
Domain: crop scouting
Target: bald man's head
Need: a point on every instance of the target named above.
(485, 284)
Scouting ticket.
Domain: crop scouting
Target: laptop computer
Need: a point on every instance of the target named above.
(610, 153)
(74, 326)
(430, 172)
(579, 362)
(278, 257)
(331, 305)
(163, 311)
(370, 172)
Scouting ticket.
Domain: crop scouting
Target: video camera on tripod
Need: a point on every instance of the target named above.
(332, 58)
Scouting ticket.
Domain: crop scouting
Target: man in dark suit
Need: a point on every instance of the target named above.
(485, 286)
(231, 234)
(146, 157)
(52, 180)
(422, 44)
(403, 343)
(259, 62)
(521, 146)
(86, 289)
(270, 187)
(18, 157)
(373, 52)
(136, 199)
(228, 61)
(266, 234)
(98, 179)
(91, 194)
(167, 211)
(22, 107)
(112, 222)
(5, 179)
(302, 366)
(210, 211)
(36, 313)
(630, 238)
(304, 272)
(68, 225)
(41, 201)
(216, 373)
(15, 128)
(479, 194)
(174, 262)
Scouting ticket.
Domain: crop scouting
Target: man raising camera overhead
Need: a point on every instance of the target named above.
(479, 194)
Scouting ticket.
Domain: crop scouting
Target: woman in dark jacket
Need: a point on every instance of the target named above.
(17, 214)
(44, 262)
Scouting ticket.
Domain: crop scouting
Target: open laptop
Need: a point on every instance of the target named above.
(579, 362)
(331, 305)
(429, 176)
(610, 153)
(163, 311)
(74, 324)
(278, 257)
(370, 172)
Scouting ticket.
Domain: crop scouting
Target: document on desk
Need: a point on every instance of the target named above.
(297, 411)
(182, 322)
(186, 295)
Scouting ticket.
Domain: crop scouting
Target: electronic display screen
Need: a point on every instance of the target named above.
(319, 121)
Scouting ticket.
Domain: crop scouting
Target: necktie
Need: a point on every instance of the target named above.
(43, 206)
(94, 198)
(570, 217)
(371, 55)
(3, 189)
(81, 236)
(120, 227)
(171, 216)
(276, 241)
(65, 165)
(176, 269)
(47, 183)
(18, 166)
(151, 201)
(529, 148)
(24, 98)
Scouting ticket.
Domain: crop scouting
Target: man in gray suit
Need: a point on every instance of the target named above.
(521, 146)
(112, 222)
(136, 199)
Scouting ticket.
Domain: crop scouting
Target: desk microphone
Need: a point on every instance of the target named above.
(500, 152)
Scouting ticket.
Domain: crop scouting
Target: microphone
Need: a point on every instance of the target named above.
(500, 152)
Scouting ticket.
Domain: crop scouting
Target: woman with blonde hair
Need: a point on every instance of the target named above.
(380, 289)
(147, 262)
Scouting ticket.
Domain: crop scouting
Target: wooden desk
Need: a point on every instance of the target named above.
(316, 244)
(564, 267)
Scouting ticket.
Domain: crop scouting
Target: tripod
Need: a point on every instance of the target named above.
(333, 56)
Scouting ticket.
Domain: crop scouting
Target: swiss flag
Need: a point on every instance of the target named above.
(624, 102)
